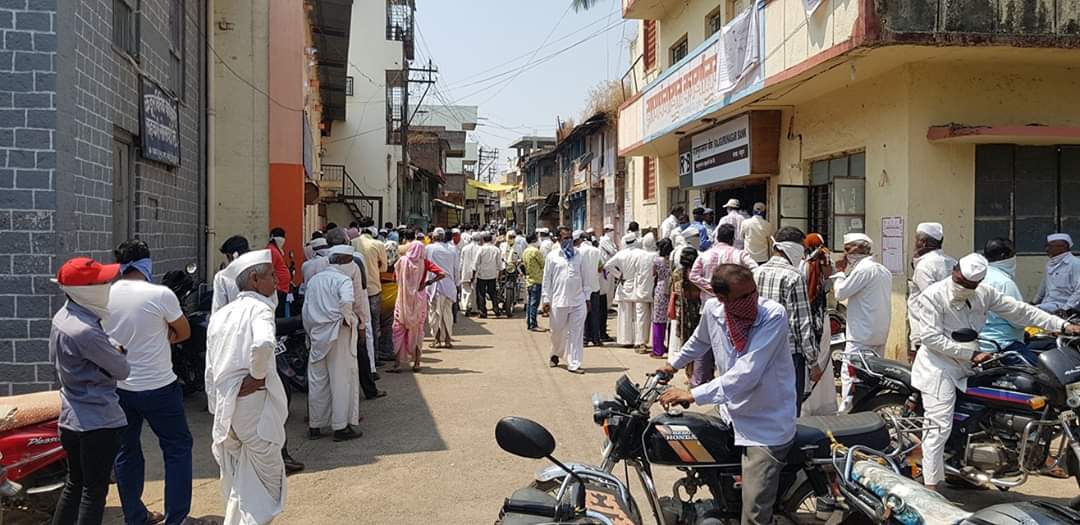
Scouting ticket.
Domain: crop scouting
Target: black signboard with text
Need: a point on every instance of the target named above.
(160, 124)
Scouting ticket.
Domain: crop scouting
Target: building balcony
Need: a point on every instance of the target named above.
(646, 9)
(792, 48)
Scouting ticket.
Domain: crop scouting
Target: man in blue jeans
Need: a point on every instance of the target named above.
(533, 260)
(147, 319)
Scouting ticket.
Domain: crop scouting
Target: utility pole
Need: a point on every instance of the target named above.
(426, 76)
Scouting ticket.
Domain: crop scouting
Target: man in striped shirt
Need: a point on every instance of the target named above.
(780, 280)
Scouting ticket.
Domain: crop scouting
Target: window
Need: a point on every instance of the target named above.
(125, 27)
(679, 50)
(395, 101)
(399, 23)
(676, 197)
(714, 22)
(649, 179)
(838, 197)
(177, 24)
(650, 45)
(1021, 193)
(349, 86)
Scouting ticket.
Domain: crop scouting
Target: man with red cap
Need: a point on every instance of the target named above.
(88, 364)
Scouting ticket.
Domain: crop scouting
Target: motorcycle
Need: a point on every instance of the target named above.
(189, 357)
(291, 353)
(700, 445)
(872, 483)
(1005, 423)
(507, 291)
(33, 465)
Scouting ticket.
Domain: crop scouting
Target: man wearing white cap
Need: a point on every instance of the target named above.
(225, 290)
(1060, 289)
(671, 222)
(632, 269)
(931, 265)
(333, 368)
(249, 400)
(866, 285)
(942, 364)
(565, 295)
(546, 244)
(443, 293)
(312, 265)
(735, 219)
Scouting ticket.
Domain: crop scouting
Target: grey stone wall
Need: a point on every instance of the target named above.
(65, 92)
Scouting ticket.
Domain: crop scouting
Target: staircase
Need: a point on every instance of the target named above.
(343, 189)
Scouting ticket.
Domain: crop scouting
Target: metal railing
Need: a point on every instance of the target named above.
(630, 82)
(348, 192)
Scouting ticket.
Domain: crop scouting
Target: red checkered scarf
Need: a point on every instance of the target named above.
(740, 315)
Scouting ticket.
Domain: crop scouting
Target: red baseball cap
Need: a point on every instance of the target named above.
(84, 271)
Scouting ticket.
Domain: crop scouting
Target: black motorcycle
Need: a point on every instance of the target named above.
(1007, 421)
(292, 353)
(189, 357)
(507, 291)
(700, 445)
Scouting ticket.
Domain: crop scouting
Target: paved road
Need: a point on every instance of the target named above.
(428, 454)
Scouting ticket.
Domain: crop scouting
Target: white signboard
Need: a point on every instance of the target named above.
(609, 188)
(728, 57)
(720, 153)
(892, 244)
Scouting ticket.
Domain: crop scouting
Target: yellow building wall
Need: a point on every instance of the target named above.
(239, 176)
(792, 36)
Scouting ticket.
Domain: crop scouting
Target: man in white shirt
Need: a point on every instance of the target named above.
(735, 219)
(756, 232)
(443, 293)
(146, 319)
(468, 271)
(546, 243)
(250, 405)
(225, 289)
(311, 266)
(632, 269)
(942, 364)
(930, 266)
(755, 391)
(509, 250)
(1060, 288)
(333, 367)
(593, 263)
(867, 287)
(670, 223)
(565, 295)
(489, 263)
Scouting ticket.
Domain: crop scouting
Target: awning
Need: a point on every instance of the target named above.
(490, 186)
(1032, 134)
(447, 204)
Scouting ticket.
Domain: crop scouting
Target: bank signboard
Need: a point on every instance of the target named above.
(717, 154)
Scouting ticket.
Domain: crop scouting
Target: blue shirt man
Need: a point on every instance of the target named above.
(703, 230)
(999, 334)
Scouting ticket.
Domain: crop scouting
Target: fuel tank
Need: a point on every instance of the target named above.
(690, 439)
(1060, 365)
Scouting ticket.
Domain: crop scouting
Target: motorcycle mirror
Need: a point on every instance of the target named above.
(191, 268)
(524, 437)
(965, 335)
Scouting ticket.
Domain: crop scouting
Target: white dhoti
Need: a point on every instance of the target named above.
(441, 317)
(938, 409)
(334, 385)
(567, 334)
(364, 314)
(468, 297)
(252, 470)
(822, 399)
(846, 379)
(634, 322)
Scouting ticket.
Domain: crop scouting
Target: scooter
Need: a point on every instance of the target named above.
(700, 445)
(33, 465)
(189, 357)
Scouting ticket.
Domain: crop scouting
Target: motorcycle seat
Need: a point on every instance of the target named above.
(889, 368)
(1026, 513)
(288, 325)
(865, 428)
(28, 409)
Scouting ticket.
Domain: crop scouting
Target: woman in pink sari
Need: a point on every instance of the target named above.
(410, 310)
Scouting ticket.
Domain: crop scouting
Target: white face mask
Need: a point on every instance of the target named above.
(959, 293)
(94, 298)
(1006, 265)
(280, 242)
(854, 258)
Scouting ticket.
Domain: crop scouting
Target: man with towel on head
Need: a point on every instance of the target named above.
(333, 368)
(1060, 289)
(930, 266)
(942, 364)
(866, 285)
(250, 405)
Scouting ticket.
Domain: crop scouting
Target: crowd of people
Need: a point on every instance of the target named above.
(738, 304)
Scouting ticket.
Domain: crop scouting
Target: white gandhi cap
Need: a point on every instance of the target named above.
(629, 238)
(609, 226)
(341, 249)
(932, 229)
(857, 237)
(249, 259)
(1060, 237)
(317, 243)
(973, 267)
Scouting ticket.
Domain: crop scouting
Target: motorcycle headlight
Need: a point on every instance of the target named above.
(1072, 395)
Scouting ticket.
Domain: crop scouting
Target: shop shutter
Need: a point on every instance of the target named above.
(650, 45)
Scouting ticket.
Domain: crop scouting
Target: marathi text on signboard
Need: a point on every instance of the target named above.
(717, 154)
(160, 125)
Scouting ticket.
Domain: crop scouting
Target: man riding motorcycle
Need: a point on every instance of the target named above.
(942, 364)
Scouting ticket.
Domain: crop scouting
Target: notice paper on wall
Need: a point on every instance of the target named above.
(892, 244)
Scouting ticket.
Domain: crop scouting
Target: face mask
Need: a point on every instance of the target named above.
(1006, 265)
(280, 242)
(792, 250)
(143, 265)
(854, 258)
(567, 247)
(959, 293)
(94, 298)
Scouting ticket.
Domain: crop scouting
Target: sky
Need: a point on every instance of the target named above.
(492, 54)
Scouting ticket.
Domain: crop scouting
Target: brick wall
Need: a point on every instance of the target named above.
(63, 88)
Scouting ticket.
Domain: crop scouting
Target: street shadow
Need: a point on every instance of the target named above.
(446, 371)
(469, 347)
(472, 326)
(605, 370)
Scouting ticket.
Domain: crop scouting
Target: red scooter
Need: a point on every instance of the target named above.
(33, 465)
